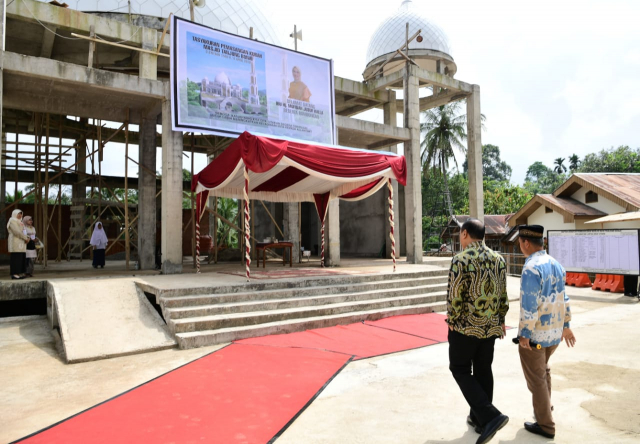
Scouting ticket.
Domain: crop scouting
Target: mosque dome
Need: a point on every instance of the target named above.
(391, 35)
(222, 78)
(233, 16)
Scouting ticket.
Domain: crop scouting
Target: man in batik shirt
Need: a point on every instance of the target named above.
(544, 321)
(477, 304)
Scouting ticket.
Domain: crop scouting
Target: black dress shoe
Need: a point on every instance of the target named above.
(491, 428)
(474, 424)
(535, 428)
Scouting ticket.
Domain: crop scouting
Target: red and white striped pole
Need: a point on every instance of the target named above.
(391, 225)
(247, 240)
(322, 250)
(197, 242)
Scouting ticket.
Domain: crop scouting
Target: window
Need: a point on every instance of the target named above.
(590, 197)
(548, 210)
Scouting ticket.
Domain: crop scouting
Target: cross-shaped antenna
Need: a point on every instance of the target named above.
(296, 35)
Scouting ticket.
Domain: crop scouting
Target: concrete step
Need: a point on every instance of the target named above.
(210, 337)
(222, 321)
(297, 301)
(295, 283)
(285, 293)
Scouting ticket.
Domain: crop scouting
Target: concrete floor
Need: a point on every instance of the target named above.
(407, 397)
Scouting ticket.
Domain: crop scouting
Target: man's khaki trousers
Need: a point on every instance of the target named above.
(535, 365)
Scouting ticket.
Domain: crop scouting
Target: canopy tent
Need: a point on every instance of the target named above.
(254, 167)
(619, 217)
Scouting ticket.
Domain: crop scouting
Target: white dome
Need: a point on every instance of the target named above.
(391, 34)
(223, 78)
(233, 16)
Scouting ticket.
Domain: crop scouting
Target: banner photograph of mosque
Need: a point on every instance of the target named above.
(225, 84)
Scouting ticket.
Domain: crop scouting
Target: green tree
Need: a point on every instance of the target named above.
(614, 160)
(506, 199)
(444, 130)
(559, 165)
(541, 179)
(493, 167)
(574, 162)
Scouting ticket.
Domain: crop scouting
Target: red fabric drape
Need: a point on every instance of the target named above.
(322, 203)
(260, 154)
(360, 191)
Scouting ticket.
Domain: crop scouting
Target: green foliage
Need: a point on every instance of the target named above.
(505, 199)
(236, 108)
(193, 92)
(227, 236)
(614, 160)
(574, 162)
(493, 167)
(559, 166)
(444, 130)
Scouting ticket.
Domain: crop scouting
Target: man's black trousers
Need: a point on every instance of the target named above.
(470, 363)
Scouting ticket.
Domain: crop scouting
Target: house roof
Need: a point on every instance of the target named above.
(494, 224)
(622, 189)
(570, 209)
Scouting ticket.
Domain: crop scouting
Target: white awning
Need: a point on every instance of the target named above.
(620, 217)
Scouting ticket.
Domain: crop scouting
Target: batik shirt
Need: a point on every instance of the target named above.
(544, 305)
(477, 300)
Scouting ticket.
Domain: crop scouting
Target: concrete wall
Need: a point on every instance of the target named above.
(550, 221)
(603, 204)
(362, 225)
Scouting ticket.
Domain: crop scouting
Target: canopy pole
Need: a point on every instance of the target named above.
(247, 226)
(391, 225)
(322, 250)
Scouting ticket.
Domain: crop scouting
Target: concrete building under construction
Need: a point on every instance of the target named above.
(77, 80)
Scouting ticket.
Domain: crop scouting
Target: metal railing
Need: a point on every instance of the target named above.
(515, 262)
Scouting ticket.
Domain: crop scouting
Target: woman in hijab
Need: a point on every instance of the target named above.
(17, 244)
(99, 242)
(32, 254)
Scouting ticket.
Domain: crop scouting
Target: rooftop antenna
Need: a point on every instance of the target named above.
(296, 35)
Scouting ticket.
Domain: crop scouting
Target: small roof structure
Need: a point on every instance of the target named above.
(570, 209)
(620, 217)
(278, 170)
(620, 188)
(494, 224)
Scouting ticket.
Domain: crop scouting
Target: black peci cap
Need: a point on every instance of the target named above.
(534, 231)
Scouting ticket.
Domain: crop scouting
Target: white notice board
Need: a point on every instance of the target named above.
(596, 251)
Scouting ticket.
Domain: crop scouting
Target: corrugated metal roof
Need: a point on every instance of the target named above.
(625, 187)
(620, 217)
(493, 224)
(571, 206)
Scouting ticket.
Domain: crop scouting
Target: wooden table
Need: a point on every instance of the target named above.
(274, 246)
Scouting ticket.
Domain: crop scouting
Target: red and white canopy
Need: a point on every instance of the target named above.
(277, 170)
(285, 171)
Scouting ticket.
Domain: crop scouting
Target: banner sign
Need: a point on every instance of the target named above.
(596, 251)
(225, 84)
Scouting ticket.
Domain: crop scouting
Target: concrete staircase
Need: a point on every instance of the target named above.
(207, 316)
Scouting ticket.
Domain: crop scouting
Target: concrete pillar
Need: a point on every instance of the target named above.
(292, 228)
(474, 154)
(3, 184)
(171, 191)
(147, 158)
(332, 235)
(413, 190)
(391, 118)
(147, 194)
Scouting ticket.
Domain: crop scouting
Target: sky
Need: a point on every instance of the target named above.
(556, 77)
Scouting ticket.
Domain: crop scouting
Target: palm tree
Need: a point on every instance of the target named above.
(444, 129)
(574, 162)
(559, 166)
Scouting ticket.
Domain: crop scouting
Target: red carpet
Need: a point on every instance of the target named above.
(360, 340)
(240, 394)
(248, 392)
(430, 326)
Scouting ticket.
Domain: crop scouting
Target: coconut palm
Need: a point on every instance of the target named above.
(559, 166)
(574, 162)
(444, 130)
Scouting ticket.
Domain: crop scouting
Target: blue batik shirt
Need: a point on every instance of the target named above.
(544, 305)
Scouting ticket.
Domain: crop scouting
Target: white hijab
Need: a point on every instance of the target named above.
(14, 216)
(99, 237)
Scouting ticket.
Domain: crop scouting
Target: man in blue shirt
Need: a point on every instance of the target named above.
(544, 321)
